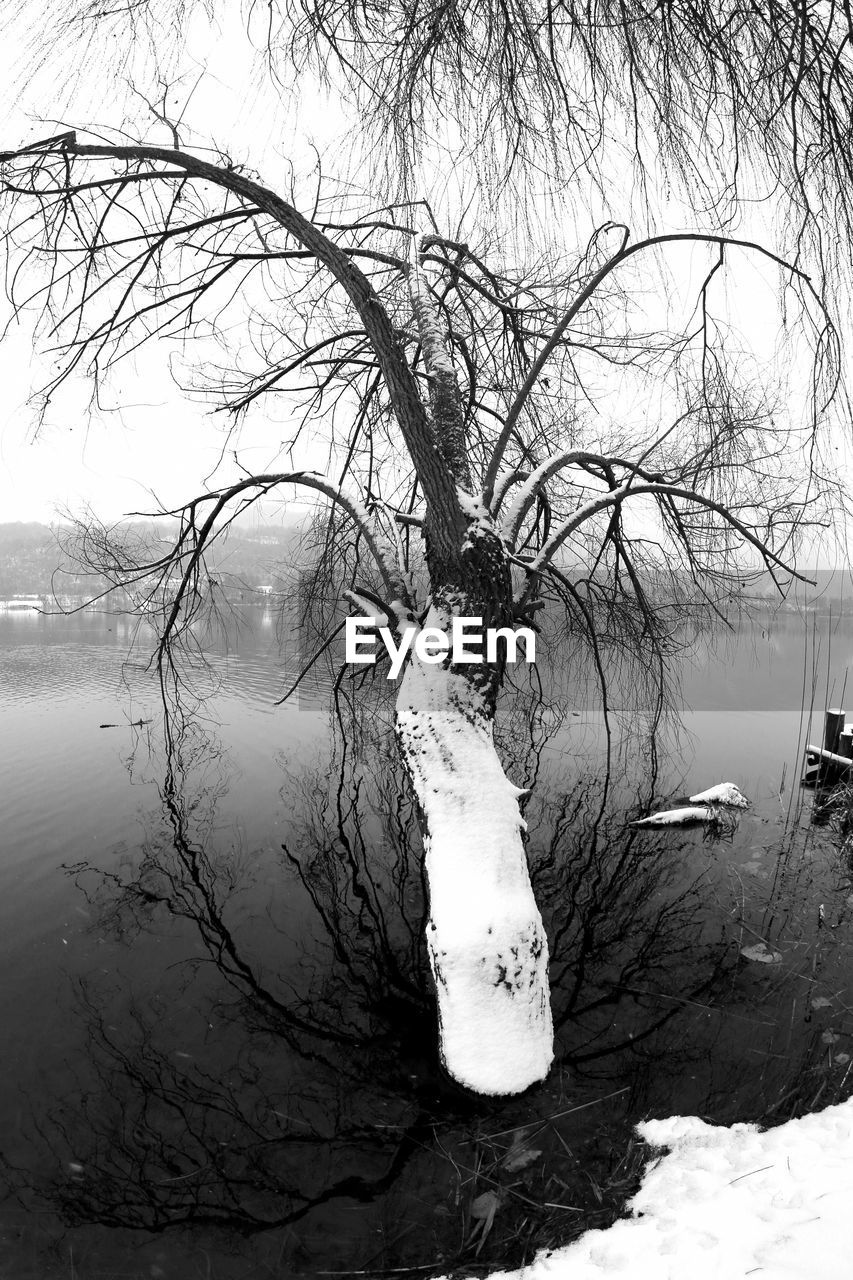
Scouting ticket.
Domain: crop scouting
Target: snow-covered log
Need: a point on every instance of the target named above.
(830, 757)
(486, 941)
(722, 793)
(683, 817)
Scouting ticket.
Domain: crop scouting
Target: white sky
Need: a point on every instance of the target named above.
(160, 448)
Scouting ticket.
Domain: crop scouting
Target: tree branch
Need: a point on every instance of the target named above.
(353, 508)
(625, 252)
(628, 490)
(437, 485)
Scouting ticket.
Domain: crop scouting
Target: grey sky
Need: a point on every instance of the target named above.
(160, 447)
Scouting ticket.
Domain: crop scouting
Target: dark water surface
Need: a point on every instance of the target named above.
(217, 1033)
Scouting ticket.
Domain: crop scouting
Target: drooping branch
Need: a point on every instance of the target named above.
(356, 512)
(176, 576)
(446, 327)
(410, 413)
(625, 252)
(630, 489)
(725, 91)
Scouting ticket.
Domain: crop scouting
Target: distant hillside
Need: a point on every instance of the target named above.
(31, 559)
(28, 557)
(832, 591)
(251, 557)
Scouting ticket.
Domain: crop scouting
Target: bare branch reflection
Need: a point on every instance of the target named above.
(267, 1063)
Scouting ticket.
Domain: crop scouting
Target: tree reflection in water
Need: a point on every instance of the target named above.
(278, 1079)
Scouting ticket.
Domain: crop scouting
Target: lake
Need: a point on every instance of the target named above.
(218, 1053)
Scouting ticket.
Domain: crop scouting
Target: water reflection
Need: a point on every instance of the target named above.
(255, 1050)
(280, 1099)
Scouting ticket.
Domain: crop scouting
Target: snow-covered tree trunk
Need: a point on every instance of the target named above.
(486, 942)
(487, 945)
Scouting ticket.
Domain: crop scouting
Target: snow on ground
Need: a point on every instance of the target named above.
(726, 1203)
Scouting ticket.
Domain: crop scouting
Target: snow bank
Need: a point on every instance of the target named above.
(726, 1203)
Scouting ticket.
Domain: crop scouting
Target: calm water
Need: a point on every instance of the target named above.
(217, 1054)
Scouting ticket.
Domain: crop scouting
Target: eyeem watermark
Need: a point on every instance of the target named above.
(468, 642)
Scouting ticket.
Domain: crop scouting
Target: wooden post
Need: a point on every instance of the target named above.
(832, 726)
(845, 742)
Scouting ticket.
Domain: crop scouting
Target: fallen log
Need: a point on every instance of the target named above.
(687, 816)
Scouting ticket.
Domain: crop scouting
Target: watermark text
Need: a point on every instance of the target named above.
(468, 642)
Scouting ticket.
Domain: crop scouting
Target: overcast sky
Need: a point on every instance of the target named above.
(158, 448)
(161, 448)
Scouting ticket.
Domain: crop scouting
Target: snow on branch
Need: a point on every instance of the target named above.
(503, 484)
(430, 329)
(526, 495)
(447, 413)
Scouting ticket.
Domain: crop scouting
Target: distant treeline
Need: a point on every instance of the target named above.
(257, 562)
(32, 561)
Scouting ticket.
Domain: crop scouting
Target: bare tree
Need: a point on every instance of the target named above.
(738, 100)
(481, 464)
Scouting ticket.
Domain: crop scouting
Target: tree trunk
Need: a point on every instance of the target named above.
(487, 945)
